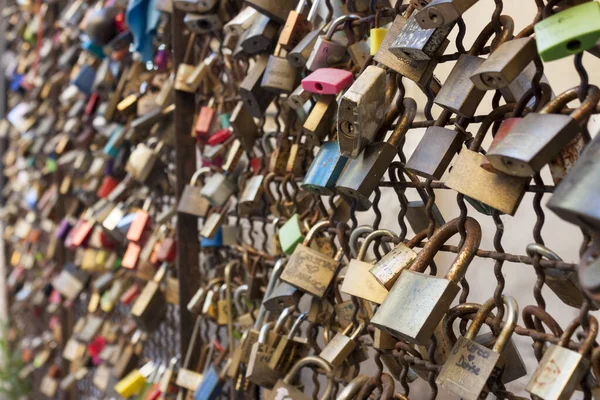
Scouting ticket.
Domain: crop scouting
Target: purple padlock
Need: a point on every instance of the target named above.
(63, 229)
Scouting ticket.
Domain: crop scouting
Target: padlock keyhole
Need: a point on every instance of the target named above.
(318, 86)
(574, 45)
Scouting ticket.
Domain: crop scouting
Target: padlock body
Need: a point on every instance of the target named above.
(324, 54)
(283, 390)
(571, 198)
(318, 123)
(217, 189)
(532, 143)
(327, 81)
(338, 349)
(467, 369)
(192, 202)
(459, 94)
(499, 191)
(360, 283)
(325, 170)
(415, 306)
(559, 372)
(435, 151)
(310, 271)
(568, 32)
(388, 269)
(280, 76)
(417, 43)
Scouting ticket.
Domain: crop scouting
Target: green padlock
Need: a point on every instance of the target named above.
(568, 32)
(290, 235)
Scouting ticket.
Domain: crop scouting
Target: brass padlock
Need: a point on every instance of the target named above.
(192, 202)
(185, 69)
(387, 270)
(284, 387)
(470, 364)
(251, 196)
(318, 123)
(341, 345)
(280, 76)
(358, 281)
(361, 111)
(308, 269)
(412, 317)
(243, 126)
(560, 370)
(290, 348)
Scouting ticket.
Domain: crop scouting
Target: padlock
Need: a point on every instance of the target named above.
(539, 137)
(290, 348)
(279, 76)
(564, 284)
(406, 314)
(297, 25)
(223, 307)
(560, 370)
(327, 81)
(213, 224)
(505, 64)
(290, 234)
(217, 189)
(283, 295)
(259, 37)
(361, 111)
(459, 94)
(505, 127)
(255, 98)
(202, 23)
(251, 196)
(204, 122)
(318, 123)
(191, 6)
(308, 269)
(70, 282)
(435, 151)
(501, 192)
(258, 370)
(243, 126)
(387, 270)
(150, 307)
(358, 281)
(286, 389)
(191, 201)
(470, 364)
(442, 12)
(135, 380)
(567, 32)
(326, 52)
(341, 345)
(419, 44)
(277, 10)
(143, 160)
(571, 198)
(138, 226)
(362, 175)
(325, 170)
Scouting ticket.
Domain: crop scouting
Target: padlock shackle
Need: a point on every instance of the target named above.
(508, 26)
(198, 173)
(237, 297)
(283, 317)
(318, 227)
(465, 255)
(297, 323)
(318, 362)
(581, 113)
(372, 236)
(458, 311)
(418, 238)
(542, 251)
(337, 22)
(264, 332)
(512, 316)
(356, 233)
(530, 312)
(406, 120)
(351, 390)
(587, 344)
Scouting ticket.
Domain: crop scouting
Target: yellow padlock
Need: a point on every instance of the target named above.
(133, 382)
(376, 37)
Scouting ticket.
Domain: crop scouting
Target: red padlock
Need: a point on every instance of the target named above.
(130, 258)
(167, 250)
(91, 104)
(219, 137)
(136, 229)
(204, 122)
(327, 81)
(130, 294)
(107, 186)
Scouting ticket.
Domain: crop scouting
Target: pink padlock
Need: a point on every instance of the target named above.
(327, 81)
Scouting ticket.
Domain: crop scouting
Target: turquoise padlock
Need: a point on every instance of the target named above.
(570, 31)
(325, 170)
(113, 145)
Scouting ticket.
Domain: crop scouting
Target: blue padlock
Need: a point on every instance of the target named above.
(85, 79)
(15, 83)
(125, 222)
(31, 198)
(215, 241)
(211, 386)
(325, 170)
